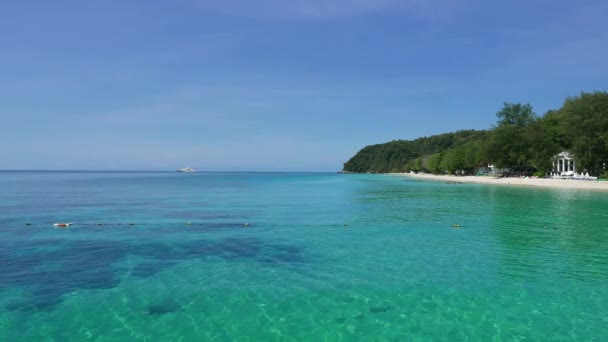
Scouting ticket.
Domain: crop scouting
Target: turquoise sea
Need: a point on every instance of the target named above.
(297, 257)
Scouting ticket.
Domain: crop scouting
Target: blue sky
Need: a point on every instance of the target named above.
(275, 85)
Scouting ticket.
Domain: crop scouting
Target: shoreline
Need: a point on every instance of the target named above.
(529, 182)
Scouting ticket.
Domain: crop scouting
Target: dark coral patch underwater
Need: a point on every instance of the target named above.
(51, 268)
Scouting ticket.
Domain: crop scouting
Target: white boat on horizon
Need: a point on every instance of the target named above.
(186, 169)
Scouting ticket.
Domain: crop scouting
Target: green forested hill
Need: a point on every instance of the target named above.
(393, 156)
(521, 141)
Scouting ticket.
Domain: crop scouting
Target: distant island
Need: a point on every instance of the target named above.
(521, 143)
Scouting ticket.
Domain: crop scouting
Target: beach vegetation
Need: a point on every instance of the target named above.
(434, 163)
(539, 174)
(520, 141)
(584, 119)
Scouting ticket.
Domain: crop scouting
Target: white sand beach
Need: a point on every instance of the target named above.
(539, 182)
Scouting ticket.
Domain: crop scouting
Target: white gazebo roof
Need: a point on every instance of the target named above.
(564, 155)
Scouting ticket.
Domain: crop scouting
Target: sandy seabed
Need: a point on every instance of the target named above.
(539, 182)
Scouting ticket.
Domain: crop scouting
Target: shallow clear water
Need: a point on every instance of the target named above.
(324, 257)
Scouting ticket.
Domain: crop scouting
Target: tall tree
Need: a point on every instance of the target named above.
(516, 114)
(542, 145)
(454, 160)
(435, 163)
(509, 143)
(585, 120)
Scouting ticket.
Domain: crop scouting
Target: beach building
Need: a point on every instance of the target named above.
(497, 170)
(482, 169)
(489, 169)
(564, 162)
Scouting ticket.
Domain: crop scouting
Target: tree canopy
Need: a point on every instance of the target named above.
(393, 156)
(516, 115)
(521, 141)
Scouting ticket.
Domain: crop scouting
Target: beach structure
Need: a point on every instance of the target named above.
(564, 162)
(490, 169)
(497, 170)
(494, 170)
(564, 167)
(482, 169)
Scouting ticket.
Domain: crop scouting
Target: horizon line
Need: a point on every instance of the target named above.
(209, 171)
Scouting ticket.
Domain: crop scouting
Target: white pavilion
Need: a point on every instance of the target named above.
(564, 163)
